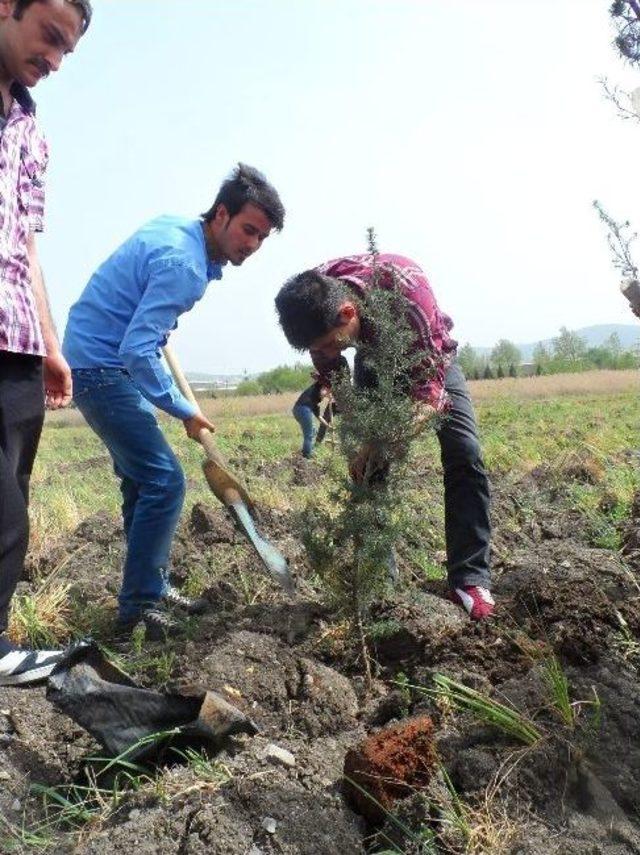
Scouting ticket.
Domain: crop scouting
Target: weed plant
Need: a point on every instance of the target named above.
(487, 710)
(557, 686)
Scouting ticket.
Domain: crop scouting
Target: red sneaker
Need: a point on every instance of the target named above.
(476, 601)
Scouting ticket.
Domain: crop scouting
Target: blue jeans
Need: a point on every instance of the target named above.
(304, 416)
(151, 479)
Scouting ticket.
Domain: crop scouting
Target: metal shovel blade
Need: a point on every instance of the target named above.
(273, 560)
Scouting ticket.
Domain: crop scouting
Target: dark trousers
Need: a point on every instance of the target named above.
(21, 418)
(466, 485)
(466, 489)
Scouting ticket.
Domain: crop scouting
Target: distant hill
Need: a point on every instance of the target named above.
(594, 336)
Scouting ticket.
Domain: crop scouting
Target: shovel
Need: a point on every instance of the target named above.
(229, 490)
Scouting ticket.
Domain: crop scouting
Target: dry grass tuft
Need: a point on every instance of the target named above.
(490, 829)
(485, 828)
(42, 618)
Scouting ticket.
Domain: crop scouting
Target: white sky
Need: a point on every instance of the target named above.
(473, 135)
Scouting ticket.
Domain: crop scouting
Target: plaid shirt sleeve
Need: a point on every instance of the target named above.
(35, 158)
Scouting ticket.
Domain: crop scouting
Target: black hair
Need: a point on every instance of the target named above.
(83, 6)
(308, 307)
(246, 184)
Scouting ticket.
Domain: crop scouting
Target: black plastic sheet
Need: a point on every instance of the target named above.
(125, 718)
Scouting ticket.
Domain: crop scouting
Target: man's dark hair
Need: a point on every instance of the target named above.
(83, 6)
(246, 184)
(308, 307)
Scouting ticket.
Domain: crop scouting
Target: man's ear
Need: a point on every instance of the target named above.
(221, 217)
(347, 312)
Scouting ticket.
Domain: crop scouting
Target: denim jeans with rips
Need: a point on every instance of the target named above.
(151, 480)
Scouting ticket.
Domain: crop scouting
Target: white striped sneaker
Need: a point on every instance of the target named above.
(19, 667)
(191, 605)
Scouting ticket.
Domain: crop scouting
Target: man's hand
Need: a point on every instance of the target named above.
(423, 414)
(57, 381)
(195, 424)
(358, 464)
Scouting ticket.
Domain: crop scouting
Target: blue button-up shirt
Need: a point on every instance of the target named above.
(132, 302)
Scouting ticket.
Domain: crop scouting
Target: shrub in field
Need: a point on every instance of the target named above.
(285, 378)
(249, 387)
(351, 543)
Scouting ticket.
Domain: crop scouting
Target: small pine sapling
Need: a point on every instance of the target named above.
(350, 544)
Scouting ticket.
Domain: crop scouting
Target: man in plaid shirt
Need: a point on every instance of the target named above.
(35, 35)
(320, 311)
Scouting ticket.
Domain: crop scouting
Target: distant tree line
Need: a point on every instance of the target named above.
(284, 378)
(569, 352)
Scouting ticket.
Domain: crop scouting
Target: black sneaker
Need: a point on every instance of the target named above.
(158, 624)
(190, 605)
(19, 667)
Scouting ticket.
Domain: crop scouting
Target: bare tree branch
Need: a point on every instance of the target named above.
(620, 237)
(618, 97)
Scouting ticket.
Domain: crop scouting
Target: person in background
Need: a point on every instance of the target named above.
(316, 401)
(305, 408)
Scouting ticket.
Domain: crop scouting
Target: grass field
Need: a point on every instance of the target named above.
(524, 423)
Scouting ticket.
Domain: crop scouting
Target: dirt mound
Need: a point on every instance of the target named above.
(280, 689)
(211, 525)
(289, 664)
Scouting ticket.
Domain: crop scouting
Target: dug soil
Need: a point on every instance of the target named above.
(290, 665)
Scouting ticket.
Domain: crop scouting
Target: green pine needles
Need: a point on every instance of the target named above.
(350, 544)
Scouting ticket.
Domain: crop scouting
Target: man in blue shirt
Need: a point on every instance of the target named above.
(112, 343)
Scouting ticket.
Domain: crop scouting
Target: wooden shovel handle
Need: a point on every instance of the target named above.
(235, 489)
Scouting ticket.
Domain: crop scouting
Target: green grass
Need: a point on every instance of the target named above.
(557, 686)
(487, 710)
(518, 435)
(73, 477)
(204, 767)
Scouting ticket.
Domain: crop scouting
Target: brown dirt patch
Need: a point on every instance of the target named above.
(389, 765)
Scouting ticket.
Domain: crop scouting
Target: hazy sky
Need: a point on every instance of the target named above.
(473, 135)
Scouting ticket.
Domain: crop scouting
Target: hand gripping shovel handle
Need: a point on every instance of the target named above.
(226, 487)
